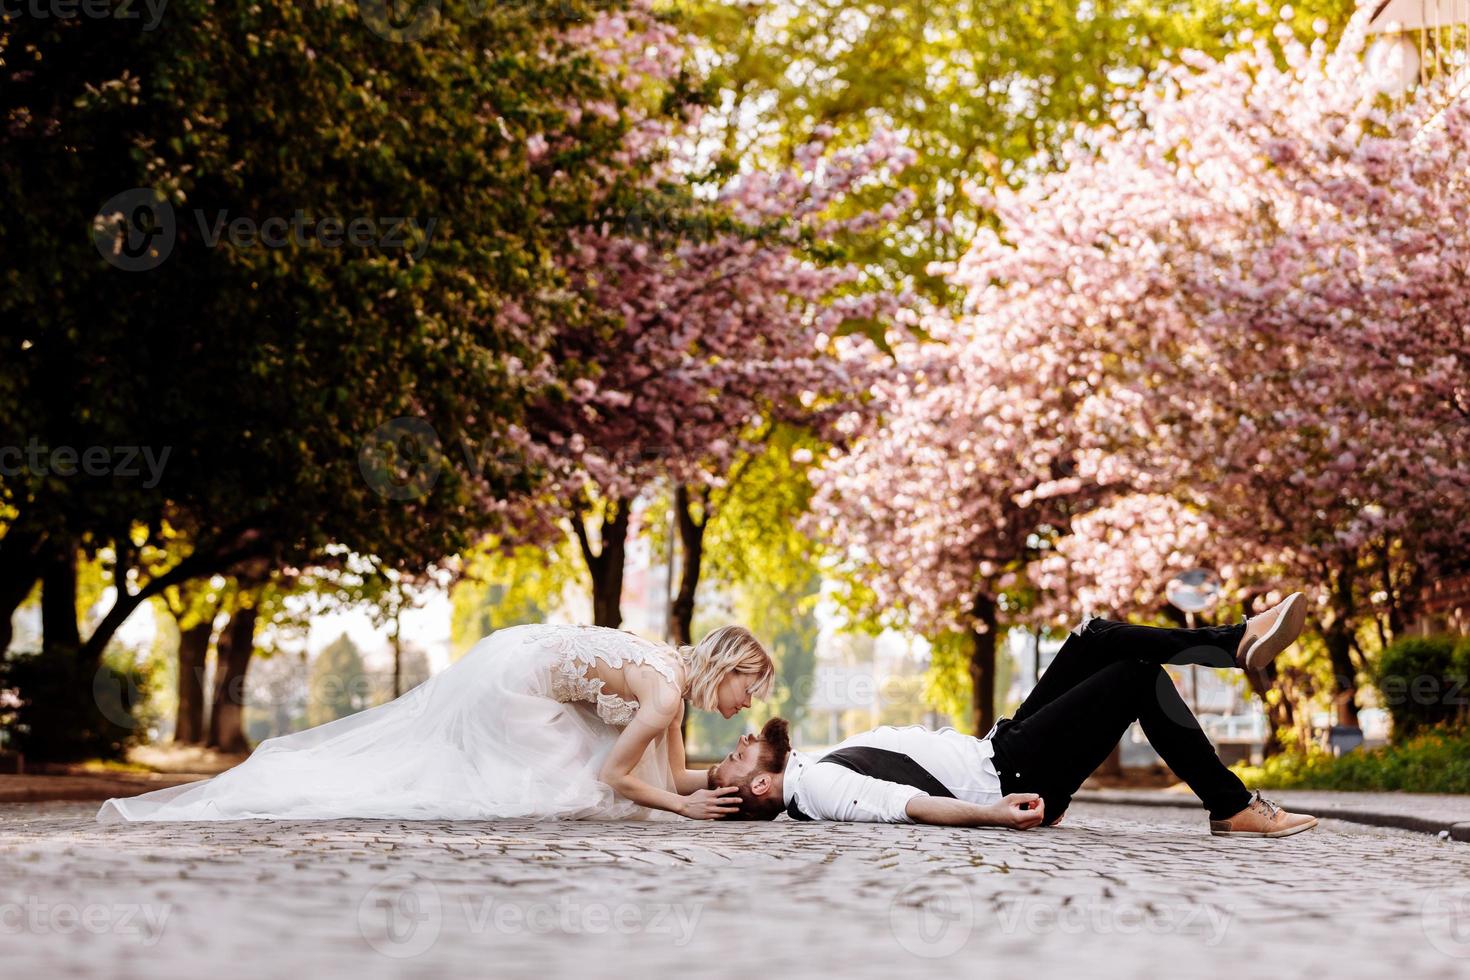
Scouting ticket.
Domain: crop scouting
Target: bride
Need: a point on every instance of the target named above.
(545, 721)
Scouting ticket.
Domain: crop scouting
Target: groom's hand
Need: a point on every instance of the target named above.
(711, 804)
(1023, 810)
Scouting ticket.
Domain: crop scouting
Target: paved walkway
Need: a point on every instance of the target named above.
(1114, 891)
(1429, 813)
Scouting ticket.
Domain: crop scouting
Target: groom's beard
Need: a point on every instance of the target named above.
(709, 778)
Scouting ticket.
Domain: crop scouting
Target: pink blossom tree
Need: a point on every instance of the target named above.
(1233, 336)
(728, 319)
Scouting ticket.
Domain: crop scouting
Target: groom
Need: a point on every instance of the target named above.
(1023, 773)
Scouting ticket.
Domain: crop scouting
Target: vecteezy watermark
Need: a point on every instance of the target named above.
(405, 234)
(85, 9)
(566, 916)
(1424, 690)
(400, 21)
(117, 696)
(143, 921)
(933, 915)
(404, 21)
(1445, 916)
(402, 458)
(403, 914)
(1114, 917)
(37, 459)
(137, 230)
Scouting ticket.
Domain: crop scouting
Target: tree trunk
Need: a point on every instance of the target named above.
(247, 544)
(1345, 687)
(982, 665)
(60, 636)
(236, 644)
(397, 666)
(606, 564)
(607, 594)
(1278, 716)
(193, 648)
(691, 537)
(1337, 635)
(20, 556)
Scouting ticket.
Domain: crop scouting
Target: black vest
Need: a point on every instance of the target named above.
(894, 767)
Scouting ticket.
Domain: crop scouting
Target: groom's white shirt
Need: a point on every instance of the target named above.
(829, 791)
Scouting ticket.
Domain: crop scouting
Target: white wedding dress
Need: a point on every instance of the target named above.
(512, 729)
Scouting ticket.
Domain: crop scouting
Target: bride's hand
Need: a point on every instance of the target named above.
(711, 804)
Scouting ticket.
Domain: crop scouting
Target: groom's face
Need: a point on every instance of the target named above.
(740, 763)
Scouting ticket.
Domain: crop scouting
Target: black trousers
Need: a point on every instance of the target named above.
(1106, 675)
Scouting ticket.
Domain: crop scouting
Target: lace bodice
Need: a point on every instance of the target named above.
(576, 647)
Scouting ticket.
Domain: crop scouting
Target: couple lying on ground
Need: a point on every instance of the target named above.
(568, 722)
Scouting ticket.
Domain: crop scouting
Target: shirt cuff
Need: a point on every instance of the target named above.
(898, 803)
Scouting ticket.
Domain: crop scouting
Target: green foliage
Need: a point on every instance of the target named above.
(903, 700)
(264, 371)
(947, 683)
(58, 715)
(755, 550)
(507, 586)
(1423, 682)
(1434, 761)
(339, 686)
(984, 91)
(753, 535)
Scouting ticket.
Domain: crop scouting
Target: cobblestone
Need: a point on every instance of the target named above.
(1114, 891)
(1425, 812)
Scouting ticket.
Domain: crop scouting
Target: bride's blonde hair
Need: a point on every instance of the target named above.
(729, 648)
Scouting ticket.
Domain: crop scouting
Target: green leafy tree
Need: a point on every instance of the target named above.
(338, 684)
(984, 91)
(265, 380)
(502, 585)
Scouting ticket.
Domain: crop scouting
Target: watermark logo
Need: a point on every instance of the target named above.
(933, 915)
(135, 231)
(40, 460)
(1445, 916)
(117, 696)
(402, 458)
(659, 218)
(398, 234)
(86, 9)
(406, 21)
(144, 923)
(400, 21)
(1114, 917)
(568, 917)
(401, 916)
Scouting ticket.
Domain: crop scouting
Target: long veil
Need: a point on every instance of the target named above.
(482, 739)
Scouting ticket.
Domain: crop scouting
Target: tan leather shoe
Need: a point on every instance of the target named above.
(1272, 631)
(1262, 818)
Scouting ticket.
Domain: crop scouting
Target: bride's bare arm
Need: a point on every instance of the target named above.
(686, 779)
(617, 772)
(659, 707)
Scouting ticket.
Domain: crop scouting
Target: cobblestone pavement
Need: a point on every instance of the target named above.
(1428, 812)
(1115, 890)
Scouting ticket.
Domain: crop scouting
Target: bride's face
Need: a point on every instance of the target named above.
(732, 695)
